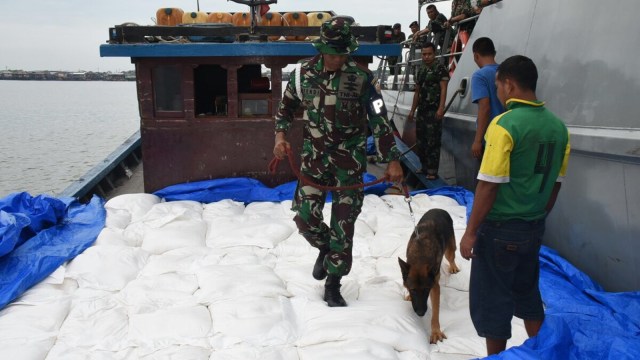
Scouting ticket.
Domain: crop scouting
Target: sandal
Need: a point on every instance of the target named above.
(432, 176)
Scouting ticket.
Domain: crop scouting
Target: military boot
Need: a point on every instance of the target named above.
(332, 292)
(319, 272)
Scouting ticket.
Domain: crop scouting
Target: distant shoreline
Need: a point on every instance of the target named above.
(67, 75)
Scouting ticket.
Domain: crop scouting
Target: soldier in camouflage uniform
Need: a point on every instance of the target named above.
(436, 26)
(429, 99)
(337, 96)
(460, 10)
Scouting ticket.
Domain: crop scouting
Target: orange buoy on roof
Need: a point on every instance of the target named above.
(271, 19)
(194, 17)
(241, 19)
(219, 17)
(316, 19)
(295, 19)
(169, 16)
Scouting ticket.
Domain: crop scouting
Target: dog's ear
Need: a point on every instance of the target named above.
(404, 268)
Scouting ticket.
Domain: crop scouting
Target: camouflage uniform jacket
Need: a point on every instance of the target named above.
(463, 7)
(335, 117)
(428, 79)
(437, 25)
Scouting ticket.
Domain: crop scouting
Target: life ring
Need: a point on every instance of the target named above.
(459, 43)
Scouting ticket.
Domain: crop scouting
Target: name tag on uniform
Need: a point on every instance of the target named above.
(312, 92)
(347, 95)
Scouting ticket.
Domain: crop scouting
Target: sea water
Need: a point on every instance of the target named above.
(53, 132)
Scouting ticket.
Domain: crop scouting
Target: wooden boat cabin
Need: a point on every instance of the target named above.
(207, 94)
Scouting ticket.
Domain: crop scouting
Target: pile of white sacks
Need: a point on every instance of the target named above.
(185, 280)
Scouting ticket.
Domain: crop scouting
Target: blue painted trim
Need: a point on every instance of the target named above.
(234, 49)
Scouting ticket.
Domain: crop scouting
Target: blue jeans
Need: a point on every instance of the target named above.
(504, 276)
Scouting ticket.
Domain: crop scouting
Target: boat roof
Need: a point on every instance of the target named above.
(235, 49)
(224, 40)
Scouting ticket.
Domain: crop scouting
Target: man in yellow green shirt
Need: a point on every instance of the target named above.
(525, 160)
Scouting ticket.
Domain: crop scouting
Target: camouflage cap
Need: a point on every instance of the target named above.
(336, 37)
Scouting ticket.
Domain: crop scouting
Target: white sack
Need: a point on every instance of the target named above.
(136, 205)
(359, 349)
(182, 261)
(256, 353)
(115, 237)
(107, 267)
(149, 294)
(387, 322)
(179, 352)
(225, 282)
(258, 321)
(222, 208)
(266, 209)
(246, 230)
(163, 213)
(62, 351)
(96, 322)
(174, 326)
(28, 331)
(173, 225)
(174, 235)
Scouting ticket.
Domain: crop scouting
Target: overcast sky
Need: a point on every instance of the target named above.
(67, 34)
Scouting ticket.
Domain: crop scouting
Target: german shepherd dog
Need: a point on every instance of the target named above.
(432, 238)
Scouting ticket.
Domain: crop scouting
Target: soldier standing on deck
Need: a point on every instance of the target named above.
(429, 99)
(337, 95)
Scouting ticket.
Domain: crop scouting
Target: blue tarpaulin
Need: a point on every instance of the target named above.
(582, 321)
(38, 234)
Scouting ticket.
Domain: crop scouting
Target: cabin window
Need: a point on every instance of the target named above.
(254, 91)
(210, 90)
(254, 104)
(167, 88)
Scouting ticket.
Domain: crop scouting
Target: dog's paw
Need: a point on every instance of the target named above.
(437, 335)
(453, 268)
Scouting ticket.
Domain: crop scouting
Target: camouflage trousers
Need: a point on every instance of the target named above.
(428, 141)
(338, 236)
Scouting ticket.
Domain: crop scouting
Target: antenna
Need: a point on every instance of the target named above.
(198, 3)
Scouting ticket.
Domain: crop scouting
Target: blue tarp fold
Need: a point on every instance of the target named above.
(246, 190)
(41, 233)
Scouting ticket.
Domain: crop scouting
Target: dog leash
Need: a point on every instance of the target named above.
(273, 166)
(407, 199)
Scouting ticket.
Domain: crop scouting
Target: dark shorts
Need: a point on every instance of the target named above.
(504, 276)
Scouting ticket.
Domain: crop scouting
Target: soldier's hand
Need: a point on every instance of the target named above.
(281, 147)
(393, 173)
(440, 113)
(410, 117)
